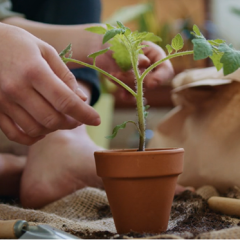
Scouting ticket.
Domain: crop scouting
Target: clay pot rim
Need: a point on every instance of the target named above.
(129, 163)
(147, 151)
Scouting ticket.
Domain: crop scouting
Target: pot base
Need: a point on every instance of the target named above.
(145, 204)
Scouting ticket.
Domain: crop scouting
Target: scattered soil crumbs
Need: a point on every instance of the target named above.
(190, 214)
(199, 218)
(233, 192)
(194, 217)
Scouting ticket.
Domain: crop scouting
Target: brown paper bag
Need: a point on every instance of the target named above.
(206, 123)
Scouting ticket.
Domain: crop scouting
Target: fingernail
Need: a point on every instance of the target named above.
(81, 94)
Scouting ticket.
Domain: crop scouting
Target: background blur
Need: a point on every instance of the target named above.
(166, 18)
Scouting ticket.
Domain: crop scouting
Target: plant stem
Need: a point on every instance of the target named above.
(139, 94)
(141, 118)
(140, 109)
(140, 104)
(103, 72)
(179, 54)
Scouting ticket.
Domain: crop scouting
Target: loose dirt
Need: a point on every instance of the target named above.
(190, 216)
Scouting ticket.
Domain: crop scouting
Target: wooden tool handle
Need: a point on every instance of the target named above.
(13, 228)
(7, 229)
(228, 206)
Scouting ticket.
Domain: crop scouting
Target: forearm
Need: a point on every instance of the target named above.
(59, 36)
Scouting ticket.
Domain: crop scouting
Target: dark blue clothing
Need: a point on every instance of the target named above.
(65, 12)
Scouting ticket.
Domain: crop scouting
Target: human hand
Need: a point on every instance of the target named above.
(38, 93)
(153, 53)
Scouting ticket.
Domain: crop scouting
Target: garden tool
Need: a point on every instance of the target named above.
(228, 206)
(21, 229)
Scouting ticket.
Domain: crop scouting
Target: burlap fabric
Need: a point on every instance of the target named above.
(86, 211)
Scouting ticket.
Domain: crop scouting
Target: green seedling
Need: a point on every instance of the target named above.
(126, 47)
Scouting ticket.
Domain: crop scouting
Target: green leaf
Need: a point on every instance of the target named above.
(148, 36)
(216, 42)
(177, 42)
(96, 29)
(216, 57)
(66, 53)
(202, 48)
(196, 30)
(230, 58)
(111, 34)
(120, 25)
(169, 48)
(94, 55)
(117, 128)
(121, 54)
(109, 26)
(126, 45)
(128, 31)
(67, 50)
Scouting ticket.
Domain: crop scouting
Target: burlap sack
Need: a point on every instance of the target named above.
(206, 123)
(86, 212)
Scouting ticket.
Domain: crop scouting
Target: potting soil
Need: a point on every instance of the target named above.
(86, 214)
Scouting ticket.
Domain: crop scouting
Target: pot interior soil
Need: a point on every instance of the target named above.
(199, 219)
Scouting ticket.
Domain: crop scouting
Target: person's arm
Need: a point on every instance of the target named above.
(38, 93)
(59, 36)
(85, 43)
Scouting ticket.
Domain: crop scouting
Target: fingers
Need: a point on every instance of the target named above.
(36, 117)
(39, 92)
(61, 97)
(163, 72)
(62, 71)
(13, 133)
(143, 61)
(158, 76)
(31, 127)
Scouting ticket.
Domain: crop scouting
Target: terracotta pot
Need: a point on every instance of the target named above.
(140, 186)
